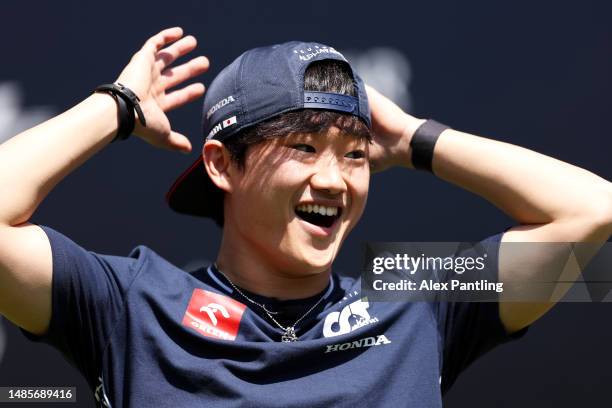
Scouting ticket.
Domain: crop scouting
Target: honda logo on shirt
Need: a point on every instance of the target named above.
(213, 315)
(351, 318)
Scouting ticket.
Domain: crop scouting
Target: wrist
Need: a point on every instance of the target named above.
(410, 125)
(423, 143)
(128, 106)
(103, 113)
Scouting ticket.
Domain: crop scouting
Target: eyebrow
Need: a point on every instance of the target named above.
(302, 137)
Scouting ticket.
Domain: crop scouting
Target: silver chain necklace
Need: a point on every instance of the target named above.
(289, 331)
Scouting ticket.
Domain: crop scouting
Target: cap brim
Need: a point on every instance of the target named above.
(194, 193)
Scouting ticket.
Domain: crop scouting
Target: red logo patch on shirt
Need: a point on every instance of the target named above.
(213, 315)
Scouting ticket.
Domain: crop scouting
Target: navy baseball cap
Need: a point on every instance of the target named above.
(260, 84)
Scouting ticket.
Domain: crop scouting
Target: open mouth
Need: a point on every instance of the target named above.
(319, 215)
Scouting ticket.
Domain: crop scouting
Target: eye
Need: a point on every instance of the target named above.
(303, 148)
(356, 154)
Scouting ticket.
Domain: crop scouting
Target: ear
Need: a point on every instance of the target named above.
(218, 164)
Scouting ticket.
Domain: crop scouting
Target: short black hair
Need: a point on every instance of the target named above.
(323, 76)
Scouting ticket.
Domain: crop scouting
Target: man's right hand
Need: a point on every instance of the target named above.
(150, 76)
(34, 161)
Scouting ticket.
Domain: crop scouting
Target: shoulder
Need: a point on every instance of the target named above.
(73, 262)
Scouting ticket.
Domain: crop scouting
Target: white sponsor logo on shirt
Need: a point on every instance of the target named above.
(364, 342)
(213, 308)
(352, 317)
(100, 394)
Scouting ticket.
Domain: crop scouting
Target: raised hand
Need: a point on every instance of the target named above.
(393, 128)
(150, 76)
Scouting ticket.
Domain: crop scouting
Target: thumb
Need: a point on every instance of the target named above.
(177, 141)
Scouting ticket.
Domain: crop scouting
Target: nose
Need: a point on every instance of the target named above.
(328, 177)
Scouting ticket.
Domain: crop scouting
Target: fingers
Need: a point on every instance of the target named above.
(169, 54)
(173, 142)
(162, 38)
(182, 96)
(176, 141)
(175, 75)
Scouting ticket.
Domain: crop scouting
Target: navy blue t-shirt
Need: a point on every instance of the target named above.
(145, 333)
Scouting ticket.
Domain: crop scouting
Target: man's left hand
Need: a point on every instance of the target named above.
(393, 128)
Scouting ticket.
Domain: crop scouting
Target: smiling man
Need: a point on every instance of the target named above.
(304, 193)
(292, 134)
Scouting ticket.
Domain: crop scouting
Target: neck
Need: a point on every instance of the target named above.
(241, 261)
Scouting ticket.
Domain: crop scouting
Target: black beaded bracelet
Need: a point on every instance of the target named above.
(127, 103)
(423, 143)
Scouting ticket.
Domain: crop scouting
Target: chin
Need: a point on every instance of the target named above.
(306, 261)
(316, 260)
(306, 253)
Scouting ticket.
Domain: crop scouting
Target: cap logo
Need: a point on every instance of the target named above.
(229, 121)
(219, 105)
(306, 54)
(221, 125)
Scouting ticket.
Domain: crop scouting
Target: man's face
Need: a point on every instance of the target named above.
(277, 204)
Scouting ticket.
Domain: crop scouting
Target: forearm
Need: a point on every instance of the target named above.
(532, 188)
(34, 161)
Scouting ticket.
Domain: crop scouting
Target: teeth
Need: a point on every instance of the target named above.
(318, 209)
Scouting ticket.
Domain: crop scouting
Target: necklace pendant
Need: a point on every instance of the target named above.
(289, 335)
